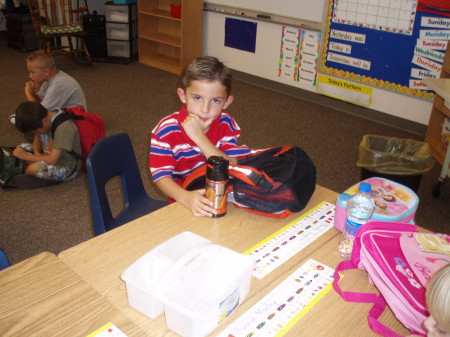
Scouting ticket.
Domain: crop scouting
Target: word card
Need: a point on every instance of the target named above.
(279, 310)
(281, 246)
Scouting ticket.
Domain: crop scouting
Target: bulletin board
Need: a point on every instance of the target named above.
(390, 44)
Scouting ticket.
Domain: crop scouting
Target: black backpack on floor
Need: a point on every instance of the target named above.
(10, 166)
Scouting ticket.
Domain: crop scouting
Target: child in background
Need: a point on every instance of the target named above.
(51, 87)
(49, 160)
(438, 303)
(184, 141)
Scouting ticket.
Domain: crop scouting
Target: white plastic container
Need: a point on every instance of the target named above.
(144, 274)
(197, 289)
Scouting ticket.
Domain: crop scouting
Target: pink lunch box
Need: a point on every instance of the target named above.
(393, 202)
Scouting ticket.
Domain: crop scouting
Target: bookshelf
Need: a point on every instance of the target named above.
(168, 42)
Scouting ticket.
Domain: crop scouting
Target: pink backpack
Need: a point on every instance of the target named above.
(399, 261)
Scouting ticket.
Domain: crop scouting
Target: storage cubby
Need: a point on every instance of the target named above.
(167, 42)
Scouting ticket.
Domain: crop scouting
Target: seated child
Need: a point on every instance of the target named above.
(184, 141)
(48, 160)
(438, 303)
(48, 85)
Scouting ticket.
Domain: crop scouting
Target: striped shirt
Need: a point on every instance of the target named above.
(173, 154)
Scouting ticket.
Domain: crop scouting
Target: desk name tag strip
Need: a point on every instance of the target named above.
(288, 241)
(280, 309)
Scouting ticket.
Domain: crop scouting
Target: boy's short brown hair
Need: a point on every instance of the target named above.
(42, 59)
(207, 68)
(29, 116)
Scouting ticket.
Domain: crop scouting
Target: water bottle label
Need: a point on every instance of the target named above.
(352, 226)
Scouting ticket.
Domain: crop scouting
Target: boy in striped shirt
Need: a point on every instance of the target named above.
(183, 141)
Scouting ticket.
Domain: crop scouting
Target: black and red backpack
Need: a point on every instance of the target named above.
(274, 182)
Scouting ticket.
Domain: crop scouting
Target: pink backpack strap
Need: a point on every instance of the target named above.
(373, 316)
(351, 296)
(379, 304)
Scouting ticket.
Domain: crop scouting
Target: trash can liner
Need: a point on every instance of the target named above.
(397, 156)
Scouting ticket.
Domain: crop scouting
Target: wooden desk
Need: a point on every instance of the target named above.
(101, 260)
(41, 296)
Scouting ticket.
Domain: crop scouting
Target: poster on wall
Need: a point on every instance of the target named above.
(240, 34)
(390, 44)
(299, 55)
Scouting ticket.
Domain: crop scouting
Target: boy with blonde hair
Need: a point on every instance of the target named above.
(184, 141)
(438, 303)
(48, 85)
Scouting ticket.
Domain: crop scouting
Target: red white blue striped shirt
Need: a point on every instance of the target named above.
(174, 154)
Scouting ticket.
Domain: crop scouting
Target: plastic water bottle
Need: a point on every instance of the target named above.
(360, 207)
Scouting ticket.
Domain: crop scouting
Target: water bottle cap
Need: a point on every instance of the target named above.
(365, 187)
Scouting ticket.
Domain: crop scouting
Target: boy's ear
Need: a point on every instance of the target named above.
(46, 121)
(228, 102)
(181, 95)
(47, 72)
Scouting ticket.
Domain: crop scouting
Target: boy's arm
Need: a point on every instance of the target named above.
(192, 200)
(30, 91)
(194, 128)
(37, 145)
(50, 158)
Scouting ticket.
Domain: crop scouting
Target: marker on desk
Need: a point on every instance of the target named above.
(263, 16)
(238, 13)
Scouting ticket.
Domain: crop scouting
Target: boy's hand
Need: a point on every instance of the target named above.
(20, 153)
(194, 126)
(31, 88)
(197, 203)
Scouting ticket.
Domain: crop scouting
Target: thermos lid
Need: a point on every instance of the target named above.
(218, 163)
(217, 168)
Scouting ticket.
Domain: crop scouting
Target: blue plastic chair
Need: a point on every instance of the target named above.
(4, 261)
(110, 157)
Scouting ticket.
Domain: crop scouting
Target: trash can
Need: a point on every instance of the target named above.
(397, 159)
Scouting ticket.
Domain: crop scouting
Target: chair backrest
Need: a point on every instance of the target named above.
(111, 157)
(4, 261)
(51, 12)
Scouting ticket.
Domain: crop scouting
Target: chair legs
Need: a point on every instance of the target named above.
(81, 54)
(86, 55)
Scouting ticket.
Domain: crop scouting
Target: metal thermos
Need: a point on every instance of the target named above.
(216, 184)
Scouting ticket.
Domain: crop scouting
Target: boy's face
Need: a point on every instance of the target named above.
(434, 329)
(205, 99)
(37, 74)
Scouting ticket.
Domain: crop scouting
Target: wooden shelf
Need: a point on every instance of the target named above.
(163, 38)
(166, 42)
(163, 62)
(159, 13)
